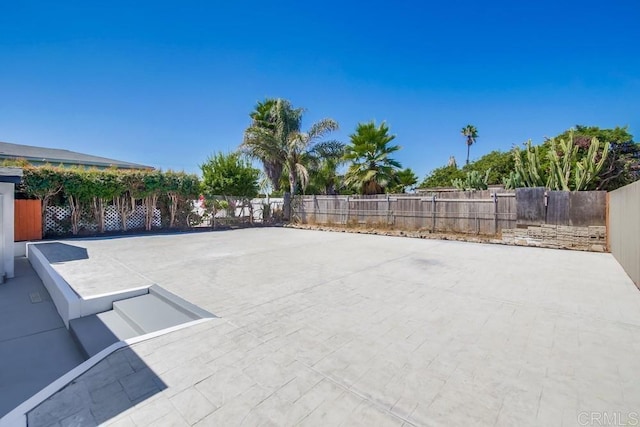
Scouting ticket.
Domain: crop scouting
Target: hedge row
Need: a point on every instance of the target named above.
(91, 190)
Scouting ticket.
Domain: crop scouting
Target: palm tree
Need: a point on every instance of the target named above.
(261, 138)
(324, 160)
(405, 179)
(297, 148)
(371, 170)
(470, 133)
(275, 137)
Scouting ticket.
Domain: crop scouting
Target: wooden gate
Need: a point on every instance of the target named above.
(27, 220)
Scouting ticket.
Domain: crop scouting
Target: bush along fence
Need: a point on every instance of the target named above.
(79, 201)
(528, 216)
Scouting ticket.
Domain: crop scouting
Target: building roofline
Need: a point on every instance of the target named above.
(55, 156)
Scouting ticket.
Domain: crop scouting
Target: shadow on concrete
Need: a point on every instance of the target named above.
(35, 346)
(92, 335)
(116, 384)
(36, 349)
(62, 252)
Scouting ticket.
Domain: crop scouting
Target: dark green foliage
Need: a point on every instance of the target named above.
(270, 121)
(473, 180)
(405, 179)
(372, 170)
(442, 177)
(41, 183)
(88, 192)
(323, 162)
(567, 170)
(498, 163)
(615, 160)
(275, 137)
(229, 175)
(179, 189)
(622, 165)
(104, 184)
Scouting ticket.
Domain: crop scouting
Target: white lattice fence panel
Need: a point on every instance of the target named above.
(57, 220)
(87, 225)
(136, 220)
(112, 219)
(157, 218)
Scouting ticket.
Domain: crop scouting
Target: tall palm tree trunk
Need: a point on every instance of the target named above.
(468, 150)
(293, 181)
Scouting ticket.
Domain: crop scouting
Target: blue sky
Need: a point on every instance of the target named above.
(169, 83)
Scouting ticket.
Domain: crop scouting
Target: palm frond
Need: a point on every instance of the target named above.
(302, 174)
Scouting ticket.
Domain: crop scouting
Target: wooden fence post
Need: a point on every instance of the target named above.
(388, 209)
(287, 206)
(607, 218)
(314, 201)
(433, 213)
(346, 222)
(495, 213)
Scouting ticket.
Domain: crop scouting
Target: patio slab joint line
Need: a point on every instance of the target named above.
(361, 396)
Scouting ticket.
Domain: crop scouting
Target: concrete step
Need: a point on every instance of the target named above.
(192, 310)
(132, 317)
(152, 312)
(96, 332)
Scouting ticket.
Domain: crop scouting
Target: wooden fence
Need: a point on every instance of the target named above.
(27, 220)
(537, 206)
(479, 212)
(485, 212)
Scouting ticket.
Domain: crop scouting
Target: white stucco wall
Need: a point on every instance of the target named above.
(7, 191)
(7, 203)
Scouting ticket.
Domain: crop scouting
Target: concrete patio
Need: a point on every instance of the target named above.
(35, 347)
(341, 329)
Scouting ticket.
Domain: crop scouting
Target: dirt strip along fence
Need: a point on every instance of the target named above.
(624, 228)
(486, 212)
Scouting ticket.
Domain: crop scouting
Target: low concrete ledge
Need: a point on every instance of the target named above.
(66, 300)
(104, 302)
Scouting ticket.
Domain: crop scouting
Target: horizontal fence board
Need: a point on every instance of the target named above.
(479, 212)
(587, 208)
(473, 212)
(530, 206)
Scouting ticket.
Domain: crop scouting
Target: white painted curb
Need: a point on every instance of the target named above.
(18, 416)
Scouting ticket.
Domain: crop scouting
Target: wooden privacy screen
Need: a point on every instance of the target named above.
(27, 220)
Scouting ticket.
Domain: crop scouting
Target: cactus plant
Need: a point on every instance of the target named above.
(528, 169)
(513, 181)
(569, 174)
(473, 181)
(588, 169)
(565, 171)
